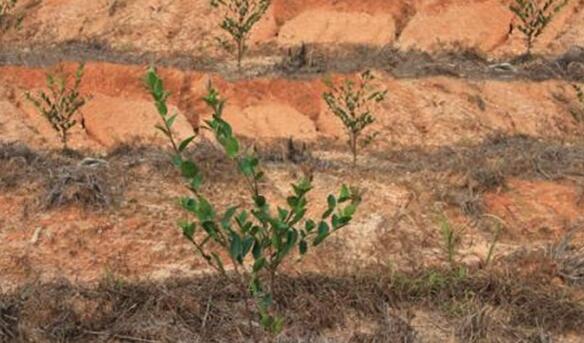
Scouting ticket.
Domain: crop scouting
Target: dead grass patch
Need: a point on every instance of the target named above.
(207, 309)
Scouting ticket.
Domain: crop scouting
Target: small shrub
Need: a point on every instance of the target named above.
(256, 234)
(61, 103)
(239, 17)
(535, 16)
(353, 105)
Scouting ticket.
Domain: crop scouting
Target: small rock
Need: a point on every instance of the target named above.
(36, 235)
(503, 68)
(92, 162)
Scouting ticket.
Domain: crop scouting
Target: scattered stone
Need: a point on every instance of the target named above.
(503, 68)
(92, 162)
(36, 235)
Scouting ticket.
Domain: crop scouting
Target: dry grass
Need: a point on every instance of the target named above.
(455, 61)
(206, 309)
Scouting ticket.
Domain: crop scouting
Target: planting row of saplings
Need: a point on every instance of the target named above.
(238, 18)
(253, 241)
(247, 245)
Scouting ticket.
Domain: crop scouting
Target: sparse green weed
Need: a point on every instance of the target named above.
(450, 238)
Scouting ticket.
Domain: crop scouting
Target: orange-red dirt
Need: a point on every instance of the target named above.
(139, 239)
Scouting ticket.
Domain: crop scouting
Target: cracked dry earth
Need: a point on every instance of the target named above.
(499, 155)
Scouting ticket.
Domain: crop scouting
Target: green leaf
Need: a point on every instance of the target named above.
(241, 219)
(282, 213)
(327, 213)
(257, 250)
(323, 232)
(231, 146)
(259, 264)
(247, 166)
(197, 181)
(188, 230)
(162, 109)
(162, 129)
(205, 211)
(211, 229)
(170, 120)
(303, 247)
(297, 217)
(291, 240)
(228, 216)
(260, 201)
(309, 226)
(332, 202)
(189, 169)
(184, 144)
(276, 242)
(349, 210)
(277, 325)
(189, 204)
(235, 247)
(345, 194)
(176, 160)
(246, 245)
(339, 222)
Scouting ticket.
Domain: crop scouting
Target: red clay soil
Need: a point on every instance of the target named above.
(428, 112)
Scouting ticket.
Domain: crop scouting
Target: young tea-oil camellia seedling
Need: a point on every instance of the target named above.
(353, 105)
(255, 240)
(534, 17)
(579, 94)
(61, 103)
(239, 17)
(6, 9)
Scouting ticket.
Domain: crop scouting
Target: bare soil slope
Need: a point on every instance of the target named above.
(496, 148)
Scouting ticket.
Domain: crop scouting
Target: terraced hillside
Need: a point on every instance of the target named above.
(472, 137)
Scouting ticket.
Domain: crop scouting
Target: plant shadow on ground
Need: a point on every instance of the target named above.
(207, 309)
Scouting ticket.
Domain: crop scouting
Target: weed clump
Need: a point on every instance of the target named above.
(86, 184)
